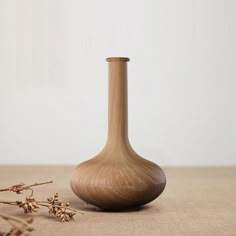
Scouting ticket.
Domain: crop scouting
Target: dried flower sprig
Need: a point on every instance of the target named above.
(59, 209)
(18, 226)
(18, 188)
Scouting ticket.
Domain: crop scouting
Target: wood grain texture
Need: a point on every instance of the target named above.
(118, 178)
(196, 201)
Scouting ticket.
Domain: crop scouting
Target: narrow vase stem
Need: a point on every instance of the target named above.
(118, 104)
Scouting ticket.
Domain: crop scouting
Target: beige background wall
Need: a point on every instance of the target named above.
(182, 79)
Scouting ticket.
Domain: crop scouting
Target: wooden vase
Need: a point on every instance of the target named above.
(118, 178)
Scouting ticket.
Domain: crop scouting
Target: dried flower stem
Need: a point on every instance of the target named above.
(42, 203)
(18, 226)
(12, 218)
(55, 206)
(30, 205)
(18, 188)
(8, 203)
(46, 204)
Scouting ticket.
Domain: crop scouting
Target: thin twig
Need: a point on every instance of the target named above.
(12, 218)
(21, 187)
(44, 204)
(9, 203)
(47, 204)
(37, 184)
(18, 226)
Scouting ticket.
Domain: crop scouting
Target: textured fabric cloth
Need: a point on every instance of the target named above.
(196, 201)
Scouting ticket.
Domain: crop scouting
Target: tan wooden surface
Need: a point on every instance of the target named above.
(196, 201)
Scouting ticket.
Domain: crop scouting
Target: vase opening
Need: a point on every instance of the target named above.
(117, 59)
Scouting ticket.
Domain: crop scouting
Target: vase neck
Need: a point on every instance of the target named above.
(118, 101)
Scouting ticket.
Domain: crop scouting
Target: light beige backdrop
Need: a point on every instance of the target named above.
(182, 79)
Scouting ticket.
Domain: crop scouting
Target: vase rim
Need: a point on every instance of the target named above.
(117, 59)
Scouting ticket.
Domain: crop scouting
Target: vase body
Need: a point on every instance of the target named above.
(118, 178)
